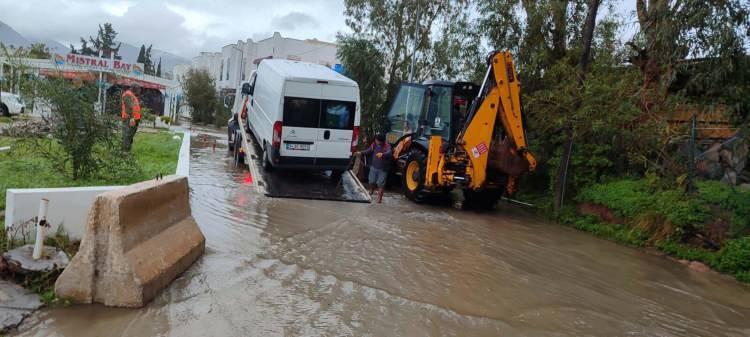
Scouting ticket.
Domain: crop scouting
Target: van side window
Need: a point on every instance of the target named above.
(301, 112)
(337, 115)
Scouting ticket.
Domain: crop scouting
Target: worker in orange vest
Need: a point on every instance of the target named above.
(131, 116)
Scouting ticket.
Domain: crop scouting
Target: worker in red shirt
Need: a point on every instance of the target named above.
(131, 116)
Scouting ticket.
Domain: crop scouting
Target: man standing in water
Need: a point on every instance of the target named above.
(379, 164)
(131, 116)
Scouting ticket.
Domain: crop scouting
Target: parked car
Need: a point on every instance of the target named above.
(304, 115)
(11, 104)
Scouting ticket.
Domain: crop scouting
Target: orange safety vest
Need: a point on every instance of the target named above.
(136, 106)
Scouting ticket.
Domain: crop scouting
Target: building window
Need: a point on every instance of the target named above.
(221, 71)
(228, 63)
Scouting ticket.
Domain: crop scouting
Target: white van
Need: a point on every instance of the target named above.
(303, 115)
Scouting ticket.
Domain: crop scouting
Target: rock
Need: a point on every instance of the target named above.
(744, 187)
(20, 260)
(709, 169)
(138, 239)
(725, 156)
(698, 266)
(26, 128)
(730, 177)
(712, 154)
(602, 212)
(15, 304)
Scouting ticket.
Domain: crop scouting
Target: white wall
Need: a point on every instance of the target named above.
(238, 58)
(68, 206)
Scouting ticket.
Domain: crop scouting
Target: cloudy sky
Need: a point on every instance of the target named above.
(183, 27)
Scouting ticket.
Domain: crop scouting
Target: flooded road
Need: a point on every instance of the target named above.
(287, 267)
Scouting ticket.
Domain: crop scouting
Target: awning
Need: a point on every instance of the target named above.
(126, 81)
(69, 75)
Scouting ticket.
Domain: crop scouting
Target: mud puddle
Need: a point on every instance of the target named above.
(286, 267)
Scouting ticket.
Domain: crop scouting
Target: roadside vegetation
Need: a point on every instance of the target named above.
(152, 153)
(201, 96)
(75, 145)
(602, 107)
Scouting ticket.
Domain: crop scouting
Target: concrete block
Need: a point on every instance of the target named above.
(138, 239)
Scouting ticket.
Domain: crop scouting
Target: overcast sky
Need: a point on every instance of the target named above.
(183, 27)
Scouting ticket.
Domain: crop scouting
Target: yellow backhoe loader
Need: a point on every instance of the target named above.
(476, 154)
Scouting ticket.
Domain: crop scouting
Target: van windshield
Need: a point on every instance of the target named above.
(316, 113)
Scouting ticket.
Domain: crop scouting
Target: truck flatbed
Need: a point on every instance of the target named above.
(299, 184)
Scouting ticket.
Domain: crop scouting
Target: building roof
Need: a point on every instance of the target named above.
(307, 72)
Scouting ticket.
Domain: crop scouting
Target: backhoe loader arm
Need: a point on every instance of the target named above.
(502, 100)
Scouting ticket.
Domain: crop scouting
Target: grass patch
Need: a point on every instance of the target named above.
(661, 214)
(154, 152)
(5, 119)
(620, 233)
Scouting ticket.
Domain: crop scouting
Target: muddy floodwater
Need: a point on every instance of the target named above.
(288, 267)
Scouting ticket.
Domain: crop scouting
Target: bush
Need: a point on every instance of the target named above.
(685, 252)
(734, 257)
(627, 198)
(737, 202)
(634, 198)
(201, 96)
(77, 128)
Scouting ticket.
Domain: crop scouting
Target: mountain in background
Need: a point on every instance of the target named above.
(129, 52)
(10, 37)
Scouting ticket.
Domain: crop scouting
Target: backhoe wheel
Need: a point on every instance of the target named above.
(413, 176)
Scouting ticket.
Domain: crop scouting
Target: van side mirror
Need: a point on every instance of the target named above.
(246, 89)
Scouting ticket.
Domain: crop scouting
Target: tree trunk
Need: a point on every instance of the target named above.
(562, 170)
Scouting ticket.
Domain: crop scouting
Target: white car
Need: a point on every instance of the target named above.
(11, 104)
(304, 115)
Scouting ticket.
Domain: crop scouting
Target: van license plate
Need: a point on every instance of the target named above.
(298, 147)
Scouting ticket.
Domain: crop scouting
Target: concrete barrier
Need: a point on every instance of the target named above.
(138, 239)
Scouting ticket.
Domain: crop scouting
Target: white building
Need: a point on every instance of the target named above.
(236, 61)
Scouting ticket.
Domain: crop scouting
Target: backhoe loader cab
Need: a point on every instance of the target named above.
(432, 108)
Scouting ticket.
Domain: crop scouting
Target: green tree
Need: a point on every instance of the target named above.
(85, 49)
(142, 55)
(38, 51)
(158, 69)
(363, 63)
(148, 63)
(86, 137)
(390, 26)
(715, 31)
(201, 96)
(105, 43)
